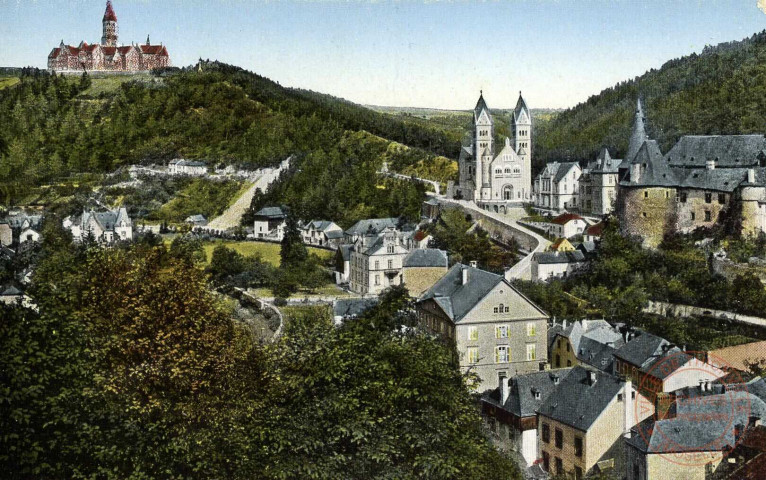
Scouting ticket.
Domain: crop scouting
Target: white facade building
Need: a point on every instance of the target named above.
(557, 186)
(103, 227)
(187, 167)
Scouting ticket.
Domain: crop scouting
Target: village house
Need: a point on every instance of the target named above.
(269, 223)
(557, 186)
(103, 227)
(376, 262)
(23, 228)
(10, 295)
(694, 185)
(343, 264)
(598, 185)
(593, 233)
(180, 166)
(582, 422)
(561, 245)
(510, 411)
(585, 342)
(322, 233)
(430, 209)
(29, 235)
(348, 308)
(368, 227)
(568, 225)
(196, 220)
(422, 268)
(548, 265)
(498, 331)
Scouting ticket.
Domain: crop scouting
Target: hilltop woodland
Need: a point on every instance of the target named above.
(55, 129)
(720, 91)
(132, 368)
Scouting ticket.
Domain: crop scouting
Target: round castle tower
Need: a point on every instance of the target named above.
(109, 23)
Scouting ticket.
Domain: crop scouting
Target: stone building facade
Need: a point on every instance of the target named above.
(701, 182)
(497, 179)
(108, 55)
(598, 185)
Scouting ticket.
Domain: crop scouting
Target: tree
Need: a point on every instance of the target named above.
(293, 251)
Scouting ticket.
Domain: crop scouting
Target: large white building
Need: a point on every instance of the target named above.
(557, 187)
(497, 179)
(103, 227)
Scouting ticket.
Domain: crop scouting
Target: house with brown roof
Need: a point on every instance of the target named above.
(568, 225)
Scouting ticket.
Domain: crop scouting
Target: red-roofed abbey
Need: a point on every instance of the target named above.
(108, 55)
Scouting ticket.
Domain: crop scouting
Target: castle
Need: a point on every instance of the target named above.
(108, 55)
(702, 181)
(497, 180)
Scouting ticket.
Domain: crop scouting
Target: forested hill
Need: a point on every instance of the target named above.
(720, 91)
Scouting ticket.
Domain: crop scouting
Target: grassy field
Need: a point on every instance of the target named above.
(269, 251)
(6, 82)
(111, 84)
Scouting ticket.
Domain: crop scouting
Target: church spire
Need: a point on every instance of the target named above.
(638, 136)
(109, 23)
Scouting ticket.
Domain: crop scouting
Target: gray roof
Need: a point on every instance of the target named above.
(596, 353)
(576, 402)
(352, 307)
(655, 171)
(333, 234)
(521, 105)
(605, 163)
(727, 150)
(575, 331)
(457, 299)
(190, 163)
(11, 291)
(587, 247)
(345, 251)
(548, 258)
(481, 105)
(320, 225)
(196, 218)
(271, 213)
(426, 257)
(641, 349)
(563, 169)
(431, 201)
(521, 397)
(675, 360)
(698, 426)
(719, 179)
(16, 221)
(638, 135)
(371, 226)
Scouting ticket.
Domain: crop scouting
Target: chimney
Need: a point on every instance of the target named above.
(663, 406)
(635, 173)
(474, 264)
(505, 390)
(753, 421)
(628, 412)
(710, 163)
(584, 324)
(465, 275)
(555, 379)
(751, 175)
(564, 323)
(591, 377)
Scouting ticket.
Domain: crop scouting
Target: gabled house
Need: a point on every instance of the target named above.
(510, 410)
(348, 308)
(561, 245)
(557, 187)
(499, 332)
(370, 227)
(180, 166)
(548, 265)
(593, 233)
(376, 262)
(422, 268)
(323, 233)
(582, 422)
(269, 223)
(10, 295)
(567, 225)
(196, 220)
(104, 227)
(598, 184)
(585, 342)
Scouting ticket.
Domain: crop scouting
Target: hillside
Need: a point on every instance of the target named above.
(720, 91)
(56, 129)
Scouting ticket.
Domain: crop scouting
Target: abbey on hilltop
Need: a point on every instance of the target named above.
(497, 180)
(108, 55)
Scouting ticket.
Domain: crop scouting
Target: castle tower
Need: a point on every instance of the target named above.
(109, 23)
(638, 136)
(521, 127)
(483, 143)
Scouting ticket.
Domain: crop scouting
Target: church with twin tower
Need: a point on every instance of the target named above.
(496, 180)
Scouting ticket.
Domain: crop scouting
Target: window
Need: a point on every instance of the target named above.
(501, 331)
(682, 197)
(501, 354)
(578, 446)
(578, 473)
(567, 346)
(693, 216)
(473, 333)
(559, 466)
(546, 461)
(501, 308)
(531, 352)
(708, 197)
(667, 194)
(390, 264)
(495, 309)
(569, 363)
(390, 249)
(531, 330)
(559, 438)
(721, 198)
(377, 279)
(643, 214)
(473, 355)
(507, 309)
(646, 193)
(707, 215)
(546, 433)
(558, 360)
(558, 343)
(377, 265)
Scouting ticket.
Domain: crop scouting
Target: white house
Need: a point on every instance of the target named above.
(270, 223)
(567, 225)
(548, 265)
(104, 227)
(323, 233)
(180, 166)
(557, 187)
(29, 235)
(376, 262)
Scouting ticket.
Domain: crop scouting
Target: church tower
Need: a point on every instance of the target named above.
(109, 23)
(521, 128)
(483, 144)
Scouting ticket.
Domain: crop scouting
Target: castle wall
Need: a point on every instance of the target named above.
(648, 213)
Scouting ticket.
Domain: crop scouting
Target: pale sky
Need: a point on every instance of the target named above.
(402, 53)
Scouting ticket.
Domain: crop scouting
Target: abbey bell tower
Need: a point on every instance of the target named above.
(109, 36)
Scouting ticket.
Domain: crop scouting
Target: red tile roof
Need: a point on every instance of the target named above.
(566, 217)
(154, 49)
(595, 230)
(109, 13)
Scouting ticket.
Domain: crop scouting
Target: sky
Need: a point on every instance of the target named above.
(435, 54)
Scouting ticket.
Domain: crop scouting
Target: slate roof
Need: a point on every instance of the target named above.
(605, 163)
(11, 291)
(334, 234)
(638, 135)
(271, 213)
(198, 218)
(729, 150)
(521, 396)
(719, 179)
(457, 299)
(352, 307)
(371, 226)
(587, 247)
(698, 426)
(550, 258)
(575, 331)
(565, 218)
(190, 163)
(521, 105)
(16, 221)
(641, 349)
(425, 257)
(655, 171)
(563, 170)
(320, 225)
(345, 252)
(577, 403)
(675, 360)
(597, 354)
(109, 13)
(481, 105)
